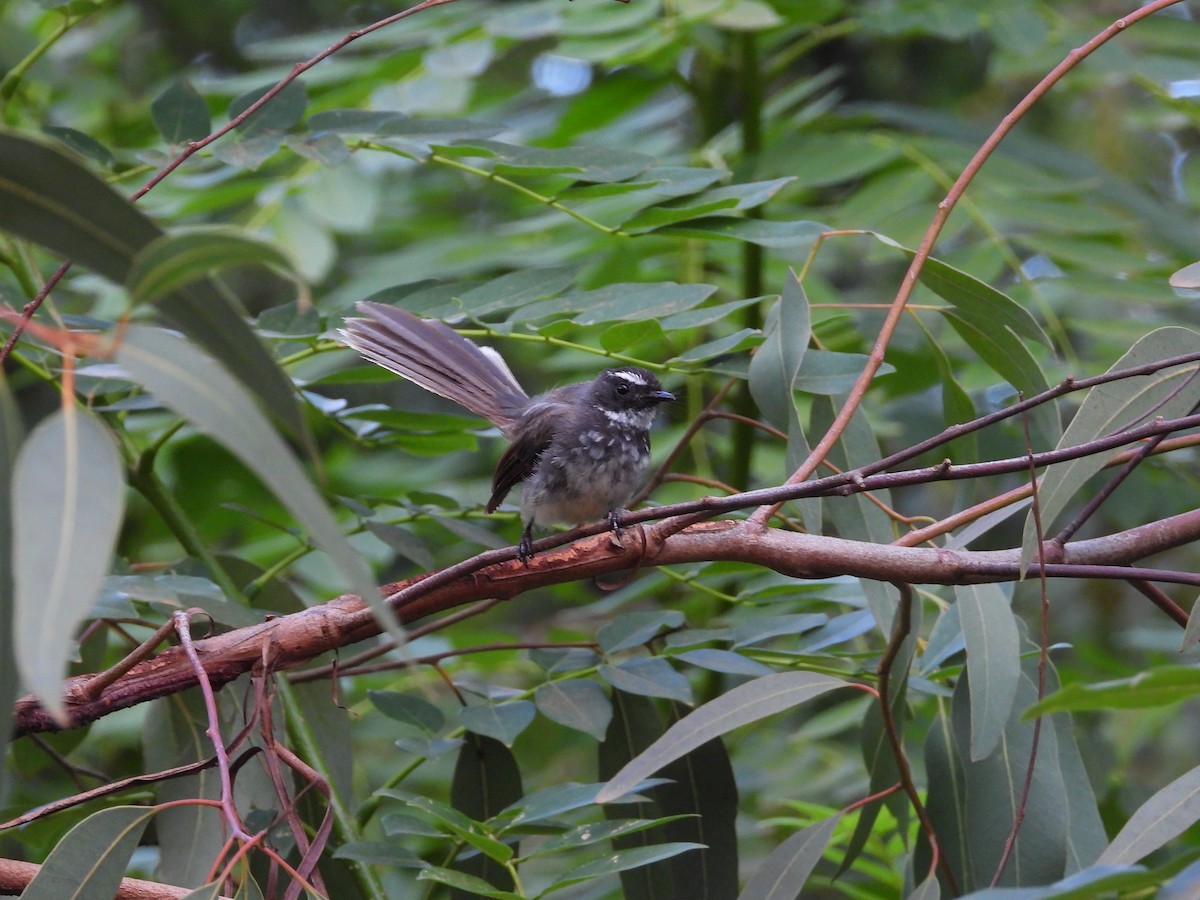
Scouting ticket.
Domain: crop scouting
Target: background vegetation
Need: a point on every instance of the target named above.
(727, 191)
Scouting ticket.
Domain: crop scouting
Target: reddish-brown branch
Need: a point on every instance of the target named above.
(290, 641)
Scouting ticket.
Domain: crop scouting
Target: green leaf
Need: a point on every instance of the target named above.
(633, 629)
(774, 367)
(91, 858)
(180, 114)
(1003, 351)
(486, 780)
(650, 677)
(1162, 818)
(766, 627)
(972, 803)
(748, 15)
(380, 853)
(1113, 406)
(281, 112)
(199, 389)
(620, 861)
(592, 164)
(731, 198)
(189, 833)
(793, 236)
(47, 197)
(515, 289)
(187, 256)
(744, 704)
(503, 721)
(699, 795)
(83, 144)
(12, 434)
(580, 704)
(993, 659)
(68, 502)
(828, 372)
(473, 886)
(725, 661)
(408, 709)
(616, 302)
(456, 823)
(783, 874)
(1160, 686)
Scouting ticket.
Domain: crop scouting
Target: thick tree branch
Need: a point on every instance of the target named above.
(290, 641)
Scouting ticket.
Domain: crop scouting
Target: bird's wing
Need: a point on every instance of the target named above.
(521, 457)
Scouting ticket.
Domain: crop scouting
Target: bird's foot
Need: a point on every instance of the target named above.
(525, 546)
(614, 523)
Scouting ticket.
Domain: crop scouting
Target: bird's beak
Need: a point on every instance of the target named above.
(662, 396)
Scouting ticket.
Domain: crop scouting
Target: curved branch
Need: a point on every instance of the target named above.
(290, 641)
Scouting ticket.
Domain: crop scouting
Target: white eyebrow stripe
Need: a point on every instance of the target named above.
(633, 377)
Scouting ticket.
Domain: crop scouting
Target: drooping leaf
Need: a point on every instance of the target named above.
(744, 704)
(774, 367)
(486, 780)
(972, 803)
(993, 659)
(199, 389)
(189, 833)
(791, 236)
(68, 502)
(468, 885)
(90, 859)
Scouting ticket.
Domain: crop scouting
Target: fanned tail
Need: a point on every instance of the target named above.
(439, 359)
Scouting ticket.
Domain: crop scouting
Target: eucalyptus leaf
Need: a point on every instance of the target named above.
(68, 503)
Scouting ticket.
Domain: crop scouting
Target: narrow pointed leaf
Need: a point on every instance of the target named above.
(68, 504)
(994, 660)
(744, 704)
(199, 389)
(782, 875)
(1160, 819)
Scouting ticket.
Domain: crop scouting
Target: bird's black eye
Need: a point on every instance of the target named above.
(622, 388)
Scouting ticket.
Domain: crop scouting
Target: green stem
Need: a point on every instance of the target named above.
(12, 80)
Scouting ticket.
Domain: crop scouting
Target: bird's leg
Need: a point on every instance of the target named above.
(614, 521)
(525, 547)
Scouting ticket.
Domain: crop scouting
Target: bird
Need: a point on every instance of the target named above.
(580, 451)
